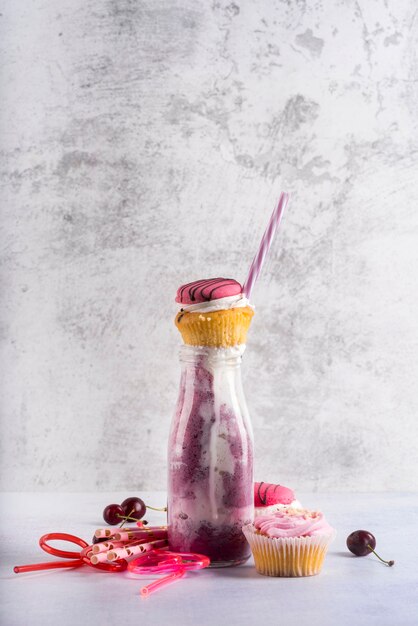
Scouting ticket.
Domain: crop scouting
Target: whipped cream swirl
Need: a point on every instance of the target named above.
(293, 523)
(221, 304)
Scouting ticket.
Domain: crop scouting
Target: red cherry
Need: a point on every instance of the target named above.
(134, 508)
(131, 510)
(113, 514)
(362, 543)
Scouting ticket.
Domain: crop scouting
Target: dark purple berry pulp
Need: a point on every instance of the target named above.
(211, 459)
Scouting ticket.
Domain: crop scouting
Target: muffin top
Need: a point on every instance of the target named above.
(293, 523)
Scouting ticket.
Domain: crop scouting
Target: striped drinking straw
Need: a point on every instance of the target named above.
(265, 244)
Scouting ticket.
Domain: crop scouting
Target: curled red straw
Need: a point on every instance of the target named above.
(175, 564)
(78, 558)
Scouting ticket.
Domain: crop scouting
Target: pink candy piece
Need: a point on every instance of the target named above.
(207, 289)
(266, 494)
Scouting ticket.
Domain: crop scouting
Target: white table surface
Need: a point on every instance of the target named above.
(349, 591)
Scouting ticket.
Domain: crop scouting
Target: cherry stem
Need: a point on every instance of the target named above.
(125, 518)
(389, 563)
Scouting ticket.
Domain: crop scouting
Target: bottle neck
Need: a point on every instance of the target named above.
(212, 357)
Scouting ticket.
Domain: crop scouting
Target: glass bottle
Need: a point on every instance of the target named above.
(210, 458)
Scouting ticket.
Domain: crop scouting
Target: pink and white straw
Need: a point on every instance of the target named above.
(265, 244)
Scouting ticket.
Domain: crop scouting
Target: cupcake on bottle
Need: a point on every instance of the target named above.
(214, 312)
(290, 542)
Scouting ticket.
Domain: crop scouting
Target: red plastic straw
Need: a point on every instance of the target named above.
(21, 569)
(176, 564)
(78, 558)
(162, 582)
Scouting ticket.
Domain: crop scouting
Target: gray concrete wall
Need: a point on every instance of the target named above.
(143, 144)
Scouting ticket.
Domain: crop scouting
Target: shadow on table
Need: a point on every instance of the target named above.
(243, 571)
(346, 554)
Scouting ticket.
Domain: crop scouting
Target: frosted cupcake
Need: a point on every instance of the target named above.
(270, 498)
(290, 542)
(214, 312)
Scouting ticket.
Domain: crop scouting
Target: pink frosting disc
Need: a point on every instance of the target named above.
(293, 523)
(266, 494)
(207, 289)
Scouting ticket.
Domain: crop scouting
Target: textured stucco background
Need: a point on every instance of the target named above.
(143, 144)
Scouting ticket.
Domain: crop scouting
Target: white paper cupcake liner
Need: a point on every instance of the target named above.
(292, 556)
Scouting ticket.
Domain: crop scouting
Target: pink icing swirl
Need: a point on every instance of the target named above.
(293, 523)
(207, 289)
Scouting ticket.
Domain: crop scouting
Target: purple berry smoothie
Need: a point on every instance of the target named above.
(210, 482)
